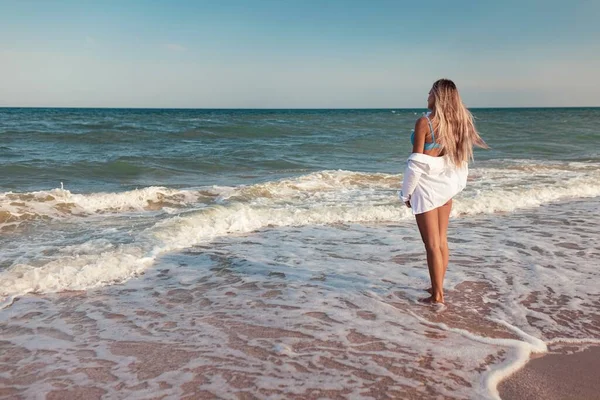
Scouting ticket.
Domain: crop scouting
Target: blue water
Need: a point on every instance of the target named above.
(119, 149)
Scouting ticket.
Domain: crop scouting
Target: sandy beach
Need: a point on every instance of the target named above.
(573, 376)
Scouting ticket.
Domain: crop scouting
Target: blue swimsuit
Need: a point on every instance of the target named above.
(428, 146)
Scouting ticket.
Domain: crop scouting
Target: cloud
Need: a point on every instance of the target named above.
(175, 47)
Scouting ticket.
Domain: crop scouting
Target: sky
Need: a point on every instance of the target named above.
(297, 54)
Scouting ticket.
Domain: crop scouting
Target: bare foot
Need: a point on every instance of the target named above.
(431, 300)
(437, 306)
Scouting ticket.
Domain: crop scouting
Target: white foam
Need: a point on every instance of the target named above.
(518, 185)
(522, 352)
(326, 197)
(574, 341)
(182, 232)
(359, 268)
(527, 195)
(59, 203)
(77, 272)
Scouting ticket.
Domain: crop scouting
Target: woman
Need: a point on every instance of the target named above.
(436, 171)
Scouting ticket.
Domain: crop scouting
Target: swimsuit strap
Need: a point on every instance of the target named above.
(431, 129)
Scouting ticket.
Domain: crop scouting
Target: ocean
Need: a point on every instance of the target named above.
(242, 254)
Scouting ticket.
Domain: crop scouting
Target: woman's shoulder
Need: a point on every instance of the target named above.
(422, 124)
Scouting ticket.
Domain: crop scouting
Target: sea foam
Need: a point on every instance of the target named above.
(325, 197)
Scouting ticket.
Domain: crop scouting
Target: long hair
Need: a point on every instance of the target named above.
(453, 123)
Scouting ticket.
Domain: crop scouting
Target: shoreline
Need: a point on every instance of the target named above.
(239, 316)
(556, 376)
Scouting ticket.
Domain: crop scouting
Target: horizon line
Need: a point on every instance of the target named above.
(281, 108)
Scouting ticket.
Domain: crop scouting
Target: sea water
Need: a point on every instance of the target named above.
(246, 254)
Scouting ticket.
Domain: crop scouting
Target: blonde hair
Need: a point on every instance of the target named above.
(453, 123)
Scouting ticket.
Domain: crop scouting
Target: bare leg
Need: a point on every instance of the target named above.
(443, 219)
(429, 228)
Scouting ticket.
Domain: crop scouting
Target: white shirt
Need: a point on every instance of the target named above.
(429, 182)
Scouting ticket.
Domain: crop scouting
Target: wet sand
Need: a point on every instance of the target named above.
(556, 376)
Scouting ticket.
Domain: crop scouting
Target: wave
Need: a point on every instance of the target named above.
(490, 190)
(325, 197)
(366, 198)
(61, 203)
